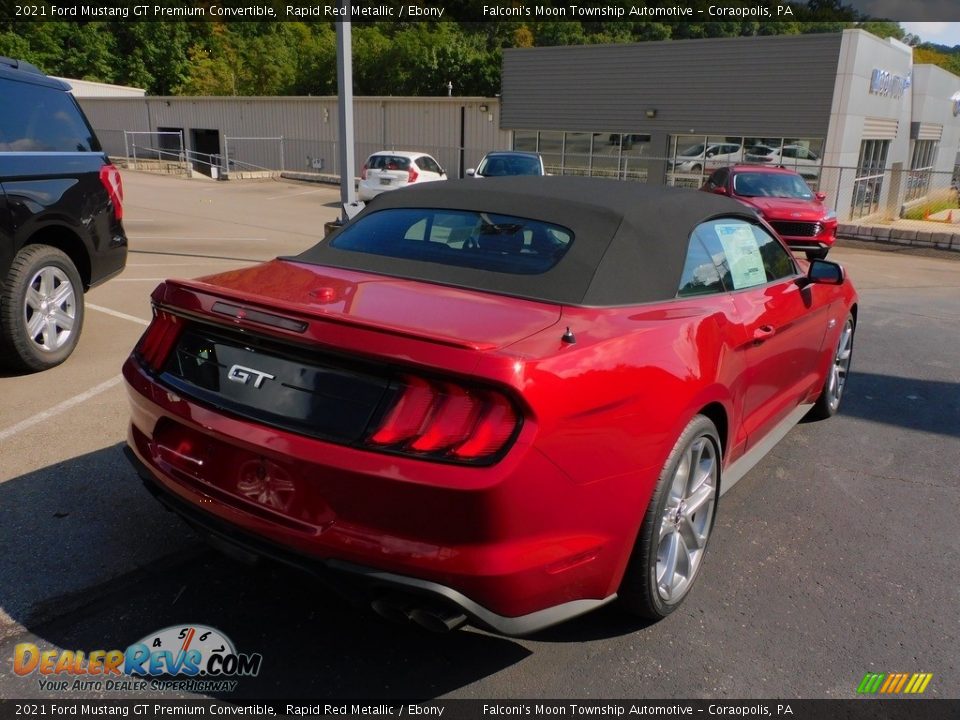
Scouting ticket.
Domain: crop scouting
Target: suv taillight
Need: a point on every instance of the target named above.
(412, 174)
(159, 339)
(363, 172)
(444, 420)
(110, 178)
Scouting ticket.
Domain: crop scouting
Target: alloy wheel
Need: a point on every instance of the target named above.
(687, 519)
(49, 309)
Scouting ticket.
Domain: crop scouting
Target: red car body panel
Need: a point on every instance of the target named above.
(555, 519)
(803, 224)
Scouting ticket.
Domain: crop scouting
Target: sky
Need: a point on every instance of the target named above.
(942, 33)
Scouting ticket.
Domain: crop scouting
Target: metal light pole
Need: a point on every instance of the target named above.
(345, 105)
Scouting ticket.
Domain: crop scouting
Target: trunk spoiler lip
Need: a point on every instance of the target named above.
(194, 297)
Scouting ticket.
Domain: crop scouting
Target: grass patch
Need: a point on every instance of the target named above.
(920, 212)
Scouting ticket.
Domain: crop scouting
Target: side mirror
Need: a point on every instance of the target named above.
(471, 172)
(824, 272)
(821, 196)
(442, 171)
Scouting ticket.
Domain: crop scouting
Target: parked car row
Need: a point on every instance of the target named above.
(755, 178)
(700, 157)
(394, 169)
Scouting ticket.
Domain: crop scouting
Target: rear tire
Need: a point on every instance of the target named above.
(670, 547)
(828, 404)
(41, 309)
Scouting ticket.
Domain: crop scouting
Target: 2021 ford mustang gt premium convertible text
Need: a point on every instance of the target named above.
(503, 403)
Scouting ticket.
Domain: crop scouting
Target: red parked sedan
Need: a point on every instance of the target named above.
(783, 199)
(504, 403)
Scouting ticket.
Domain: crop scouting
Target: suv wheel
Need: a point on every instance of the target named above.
(41, 309)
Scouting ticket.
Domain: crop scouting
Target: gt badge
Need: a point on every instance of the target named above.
(240, 374)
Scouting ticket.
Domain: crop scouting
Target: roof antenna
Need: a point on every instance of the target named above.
(569, 337)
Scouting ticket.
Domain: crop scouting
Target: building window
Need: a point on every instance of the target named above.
(921, 166)
(619, 156)
(868, 183)
(693, 157)
(525, 140)
(576, 153)
(550, 147)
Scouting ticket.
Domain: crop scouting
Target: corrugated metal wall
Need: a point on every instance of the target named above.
(778, 85)
(308, 126)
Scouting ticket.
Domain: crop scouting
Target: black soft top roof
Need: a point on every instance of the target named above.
(630, 239)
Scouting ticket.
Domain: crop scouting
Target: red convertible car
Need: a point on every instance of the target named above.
(782, 198)
(504, 403)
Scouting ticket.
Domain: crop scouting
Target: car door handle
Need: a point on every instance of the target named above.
(764, 332)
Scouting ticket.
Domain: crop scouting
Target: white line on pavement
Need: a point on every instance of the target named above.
(182, 237)
(122, 316)
(57, 409)
(176, 264)
(290, 195)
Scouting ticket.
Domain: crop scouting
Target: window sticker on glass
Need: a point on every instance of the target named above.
(743, 254)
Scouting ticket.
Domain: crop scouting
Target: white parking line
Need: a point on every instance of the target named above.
(115, 313)
(290, 195)
(57, 409)
(182, 237)
(174, 264)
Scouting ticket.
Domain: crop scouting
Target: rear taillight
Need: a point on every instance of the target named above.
(363, 172)
(159, 339)
(412, 174)
(110, 179)
(444, 420)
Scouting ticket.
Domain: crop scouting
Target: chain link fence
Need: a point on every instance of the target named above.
(855, 194)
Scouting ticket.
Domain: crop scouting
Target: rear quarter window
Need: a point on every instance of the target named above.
(484, 241)
(35, 118)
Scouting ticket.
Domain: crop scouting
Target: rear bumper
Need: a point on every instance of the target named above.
(352, 579)
(516, 546)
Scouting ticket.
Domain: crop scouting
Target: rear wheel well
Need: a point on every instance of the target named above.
(69, 244)
(718, 416)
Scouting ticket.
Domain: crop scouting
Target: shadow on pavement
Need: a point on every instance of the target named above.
(931, 406)
(93, 562)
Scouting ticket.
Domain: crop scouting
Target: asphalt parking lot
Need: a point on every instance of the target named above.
(835, 556)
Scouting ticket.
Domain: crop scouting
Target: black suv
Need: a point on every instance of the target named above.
(61, 204)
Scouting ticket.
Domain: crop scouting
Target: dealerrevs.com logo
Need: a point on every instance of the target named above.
(200, 658)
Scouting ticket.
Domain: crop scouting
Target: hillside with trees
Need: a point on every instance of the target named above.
(389, 58)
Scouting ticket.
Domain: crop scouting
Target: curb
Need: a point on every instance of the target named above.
(897, 236)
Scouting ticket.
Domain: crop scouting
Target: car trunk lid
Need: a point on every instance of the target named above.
(320, 295)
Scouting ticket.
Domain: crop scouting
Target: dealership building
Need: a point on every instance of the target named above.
(850, 111)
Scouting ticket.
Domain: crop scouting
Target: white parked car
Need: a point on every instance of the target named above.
(794, 157)
(393, 169)
(712, 155)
